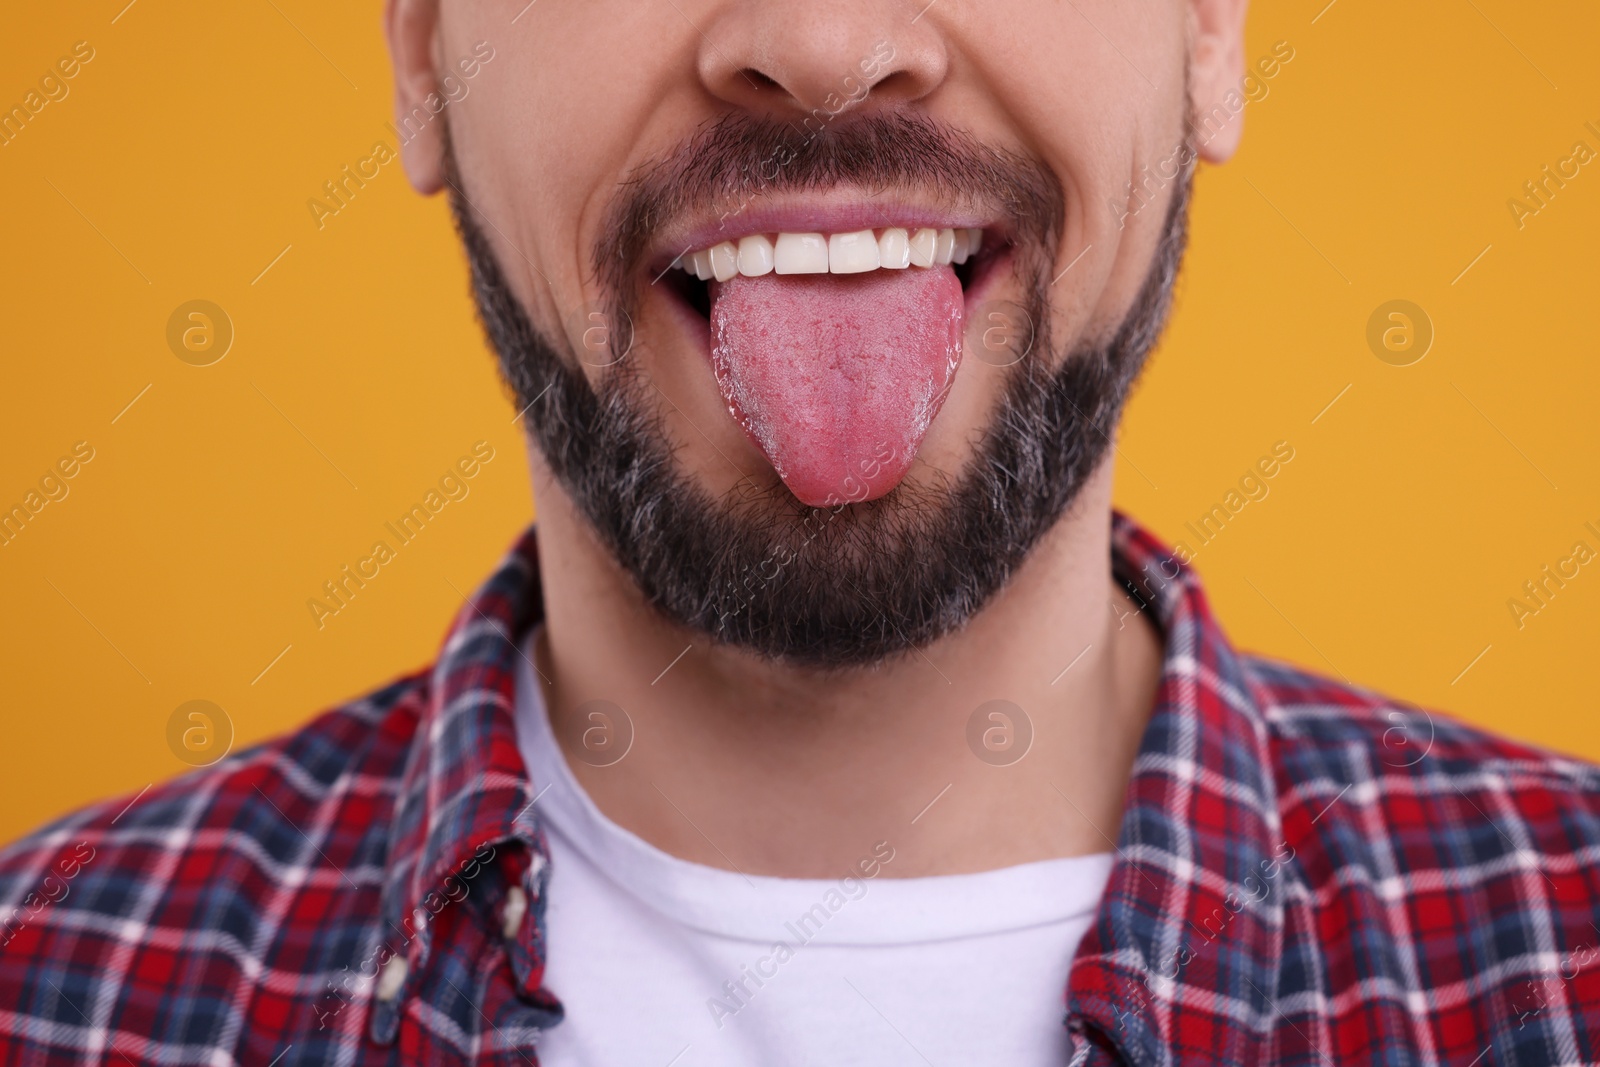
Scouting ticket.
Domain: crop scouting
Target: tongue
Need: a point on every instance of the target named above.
(837, 378)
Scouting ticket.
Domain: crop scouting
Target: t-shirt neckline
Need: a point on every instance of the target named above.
(850, 909)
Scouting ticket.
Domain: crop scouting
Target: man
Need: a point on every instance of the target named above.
(830, 716)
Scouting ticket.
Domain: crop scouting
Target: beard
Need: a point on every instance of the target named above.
(855, 584)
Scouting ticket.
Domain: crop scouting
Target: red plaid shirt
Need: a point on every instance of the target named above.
(1306, 874)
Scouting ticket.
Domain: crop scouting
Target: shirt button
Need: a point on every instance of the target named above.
(516, 907)
(392, 978)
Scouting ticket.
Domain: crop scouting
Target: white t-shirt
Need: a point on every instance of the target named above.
(661, 962)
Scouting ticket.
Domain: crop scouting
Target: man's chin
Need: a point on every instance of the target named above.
(832, 588)
(754, 567)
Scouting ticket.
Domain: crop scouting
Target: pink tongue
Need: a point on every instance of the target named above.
(837, 377)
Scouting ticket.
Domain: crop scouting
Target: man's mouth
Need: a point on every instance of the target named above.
(835, 350)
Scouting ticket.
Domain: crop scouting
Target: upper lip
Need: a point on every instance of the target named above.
(841, 211)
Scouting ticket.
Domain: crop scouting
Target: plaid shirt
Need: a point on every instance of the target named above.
(1306, 874)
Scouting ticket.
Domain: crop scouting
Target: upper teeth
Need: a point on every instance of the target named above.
(841, 253)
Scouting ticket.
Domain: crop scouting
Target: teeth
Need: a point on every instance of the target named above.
(894, 249)
(755, 256)
(852, 253)
(857, 252)
(724, 261)
(800, 253)
(967, 243)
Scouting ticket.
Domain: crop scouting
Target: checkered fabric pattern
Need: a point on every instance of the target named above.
(1306, 874)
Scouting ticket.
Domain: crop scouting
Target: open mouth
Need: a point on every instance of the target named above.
(835, 350)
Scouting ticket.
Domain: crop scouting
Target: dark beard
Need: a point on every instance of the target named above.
(858, 583)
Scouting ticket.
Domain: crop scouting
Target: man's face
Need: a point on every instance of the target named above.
(876, 445)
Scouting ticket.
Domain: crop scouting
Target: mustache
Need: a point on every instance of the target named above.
(733, 160)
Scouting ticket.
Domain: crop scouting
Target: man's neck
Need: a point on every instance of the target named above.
(742, 763)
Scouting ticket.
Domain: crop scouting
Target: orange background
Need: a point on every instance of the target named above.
(1378, 166)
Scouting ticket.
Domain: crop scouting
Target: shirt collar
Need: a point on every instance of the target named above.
(1192, 920)
(465, 793)
(1189, 934)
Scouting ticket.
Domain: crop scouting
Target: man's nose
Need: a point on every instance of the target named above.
(788, 58)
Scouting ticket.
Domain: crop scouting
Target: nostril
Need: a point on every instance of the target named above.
(759, 80)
